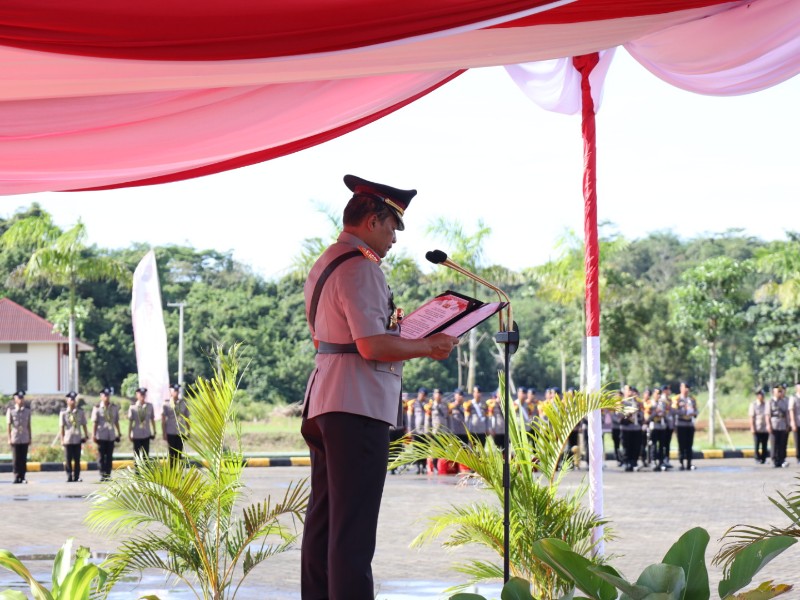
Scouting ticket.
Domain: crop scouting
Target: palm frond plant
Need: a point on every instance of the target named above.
(740, 538)
(183, 519)
(539, 509)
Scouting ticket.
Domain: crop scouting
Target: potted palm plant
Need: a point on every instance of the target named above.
(184, 519)
(539, 509)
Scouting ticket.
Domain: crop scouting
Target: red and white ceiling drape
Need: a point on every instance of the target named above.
(151, 91)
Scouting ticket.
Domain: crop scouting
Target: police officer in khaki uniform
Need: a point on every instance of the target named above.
(141, 424)
(457, 422)
(758, 427)
(475, 416)
(175, 421)
(794, 419)
(72, 420)
(353, 394)
(18, 418)
(105, 432)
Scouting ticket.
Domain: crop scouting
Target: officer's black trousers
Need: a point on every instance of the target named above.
(349, 454)
(667, 444)
(659, 439)
(19, 460)
(616, 438)
(760, 442)
(685, 443)
(141, 446)
(632, 445)
(797, 444)
(72, 454)
(175, 443)
(105, 448)
(779, 441)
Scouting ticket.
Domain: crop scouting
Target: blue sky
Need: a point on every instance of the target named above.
(479, 149)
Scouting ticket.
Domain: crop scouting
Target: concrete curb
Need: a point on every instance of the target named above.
(303, 460)
(269, 461)
(717, 453)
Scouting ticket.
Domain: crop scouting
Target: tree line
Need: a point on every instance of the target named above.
(671, 310)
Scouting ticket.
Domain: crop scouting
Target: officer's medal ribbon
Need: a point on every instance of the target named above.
(395, 318)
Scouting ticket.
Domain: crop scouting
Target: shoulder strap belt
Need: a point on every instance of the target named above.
(325, 347)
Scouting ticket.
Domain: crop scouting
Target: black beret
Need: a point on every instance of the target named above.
(141, 390)
(175, 386)
(106, 391)
(72, 395)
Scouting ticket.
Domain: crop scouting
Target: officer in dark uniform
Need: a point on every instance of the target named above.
(685, 411)
(72, 420)
(18, 418)
(106, 432)
(175, 421)
(778, 425)
(353, 394)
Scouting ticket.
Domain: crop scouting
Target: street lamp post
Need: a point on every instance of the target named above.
(180, 306)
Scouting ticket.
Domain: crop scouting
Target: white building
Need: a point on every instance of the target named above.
(32, 356)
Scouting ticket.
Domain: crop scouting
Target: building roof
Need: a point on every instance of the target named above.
(19, 325)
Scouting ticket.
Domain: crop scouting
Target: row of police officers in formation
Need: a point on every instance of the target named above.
(106, 432)
(641, 433)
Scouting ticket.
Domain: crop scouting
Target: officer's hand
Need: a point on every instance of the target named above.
(153, 436)
(441, 345)
(83, 440)
(95, 440)
(116, 439)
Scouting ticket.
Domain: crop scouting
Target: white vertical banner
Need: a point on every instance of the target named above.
(149, 332)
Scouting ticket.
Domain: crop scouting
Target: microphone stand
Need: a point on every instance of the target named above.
(508, 337)
(510, 341)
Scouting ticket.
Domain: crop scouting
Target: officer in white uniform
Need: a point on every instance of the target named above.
(353, 394)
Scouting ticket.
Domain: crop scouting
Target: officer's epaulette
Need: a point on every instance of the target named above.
(370, 254)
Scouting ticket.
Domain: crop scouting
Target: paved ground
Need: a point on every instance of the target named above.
(648, 510)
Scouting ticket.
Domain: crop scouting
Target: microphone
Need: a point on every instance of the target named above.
(439, 257)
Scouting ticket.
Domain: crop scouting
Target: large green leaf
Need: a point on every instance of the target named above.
(572, 566)
(466, 596)
(750, 561)
(61, 566)
(689, 553)
(516, 588)
(12, 595)
(12, 563)
(630, 591)
(663, 578)
(79, 583)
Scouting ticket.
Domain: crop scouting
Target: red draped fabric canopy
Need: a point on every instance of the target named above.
(130, 93)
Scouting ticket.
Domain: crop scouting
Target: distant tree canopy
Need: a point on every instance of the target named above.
(226, 303)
